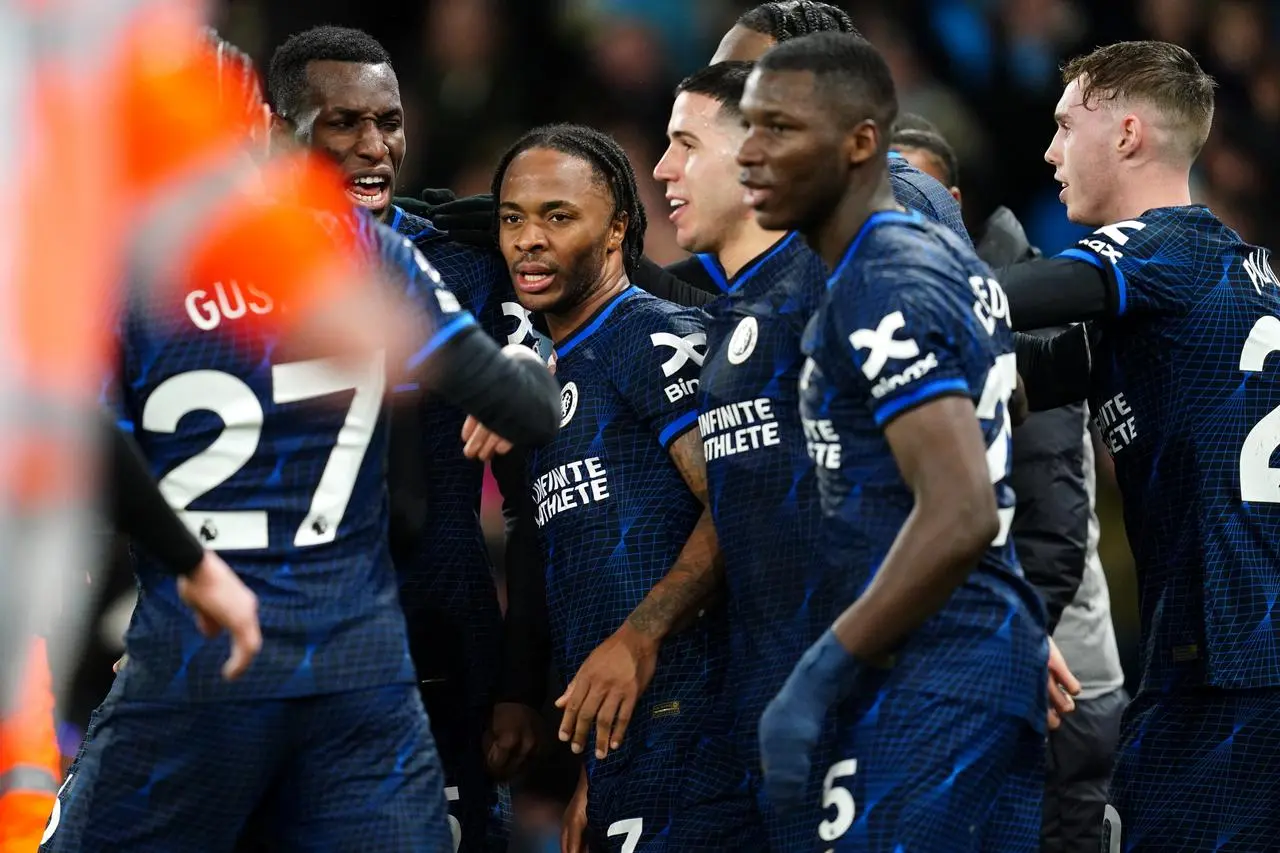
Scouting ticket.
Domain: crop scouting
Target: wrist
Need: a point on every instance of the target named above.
(641, 641)
(830, 668)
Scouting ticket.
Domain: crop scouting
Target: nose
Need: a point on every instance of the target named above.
(665, 171)
(1051, 153)
(530, 239)
(749, 152)
(371, 144)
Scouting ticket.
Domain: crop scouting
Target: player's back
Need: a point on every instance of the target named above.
(1188, 402)
(760, 481)
(911, 314)
(277, 461)
(613, 509)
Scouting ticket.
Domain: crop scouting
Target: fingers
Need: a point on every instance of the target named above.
(584, 717)
(1054, 720)
(479, 442)
(605, 722)
(246, 642)
(1059, 700)
(622, 720)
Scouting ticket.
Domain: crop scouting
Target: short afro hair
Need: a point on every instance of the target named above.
(849, 72)
(287, 73)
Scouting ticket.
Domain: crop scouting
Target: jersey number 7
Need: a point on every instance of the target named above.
(236, 404)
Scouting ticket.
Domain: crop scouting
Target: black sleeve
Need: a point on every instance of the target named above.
(526, 640)
(652, 278)
(407, 478)
(1051, 523)
(138, 510)
(517, 398)
(1055, 371)
(1050, 292)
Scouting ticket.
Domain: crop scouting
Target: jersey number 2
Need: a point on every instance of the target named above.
(1259, 482)
(1002, 380)
(235, 403)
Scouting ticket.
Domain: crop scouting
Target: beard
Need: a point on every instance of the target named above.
(583, 275)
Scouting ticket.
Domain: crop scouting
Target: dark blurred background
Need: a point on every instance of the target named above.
(475, 73)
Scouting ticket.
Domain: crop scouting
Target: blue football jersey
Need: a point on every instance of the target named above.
(1186, 395)
(910, 315)
(450, 577)
(915, 190)
(612, 508)
(279, 465)
(761, 483)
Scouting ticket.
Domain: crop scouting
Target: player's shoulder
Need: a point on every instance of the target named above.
(926, 195)
(642, 313)
(1166, 235)
(906, 250)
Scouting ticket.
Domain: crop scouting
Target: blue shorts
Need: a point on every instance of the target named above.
(651, 801)
(322, 773)
(1197, 771)
(929, 774)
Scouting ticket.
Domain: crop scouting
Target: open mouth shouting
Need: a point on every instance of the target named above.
(371, 188)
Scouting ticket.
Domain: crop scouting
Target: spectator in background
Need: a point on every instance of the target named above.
(1055, 531)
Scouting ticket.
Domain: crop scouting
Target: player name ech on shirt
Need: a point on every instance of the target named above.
(570, 486)
(738, 428)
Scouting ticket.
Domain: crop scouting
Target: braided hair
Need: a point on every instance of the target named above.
(789, 19)
(609, 163)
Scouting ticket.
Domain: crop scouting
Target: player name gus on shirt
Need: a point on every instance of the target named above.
(572, 485)
(738, 428)
(231, 300)
(1115, 422)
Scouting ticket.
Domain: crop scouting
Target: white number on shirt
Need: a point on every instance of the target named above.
(840, 798)
(632, 828)
(1002, 379)
(238, 407)
(1259, 482)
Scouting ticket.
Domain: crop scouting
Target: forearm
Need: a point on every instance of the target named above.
(515, 397)
(526, 626)
(138, 509)
(934, 552)
(691, 584)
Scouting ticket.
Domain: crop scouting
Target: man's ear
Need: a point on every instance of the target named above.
(618, 231)
(861, 142)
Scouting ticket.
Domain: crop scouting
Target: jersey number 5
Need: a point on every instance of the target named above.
(235, 403)
(1259, 482)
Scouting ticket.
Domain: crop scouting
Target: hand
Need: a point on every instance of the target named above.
(511, 739)
(792, 723)
(467, 220)
(119, 665)
(222, 602)
(1019, 407)
(573, 832)
(606, 689)
(1062, 686)
(480, 442)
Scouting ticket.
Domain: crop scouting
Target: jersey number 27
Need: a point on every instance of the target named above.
(241, 412)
